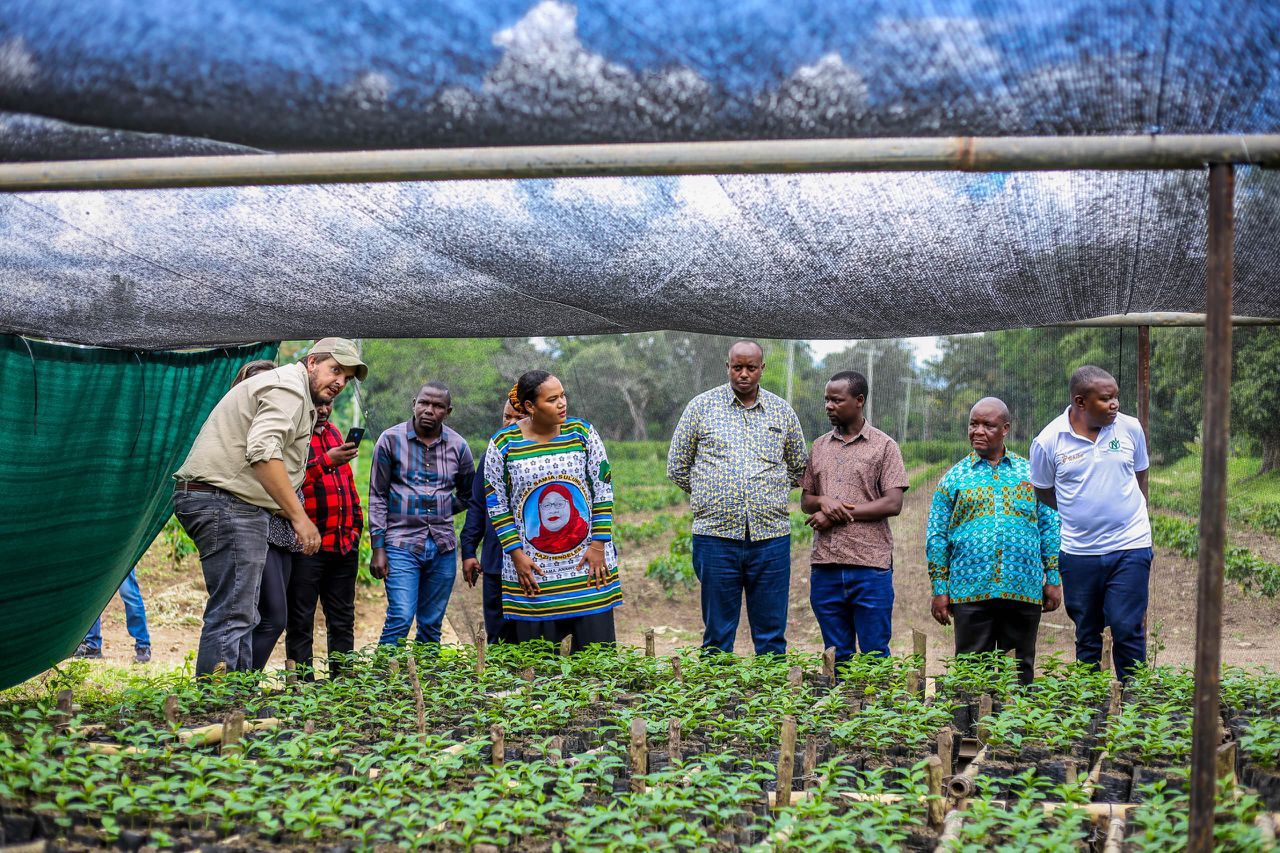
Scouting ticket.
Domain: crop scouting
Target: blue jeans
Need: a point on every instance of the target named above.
(231, 536)
(854, 606)
(1108, 590)
(135, 616)
(726, 568)
(418, 586)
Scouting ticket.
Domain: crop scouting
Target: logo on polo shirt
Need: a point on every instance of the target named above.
(1114, 446)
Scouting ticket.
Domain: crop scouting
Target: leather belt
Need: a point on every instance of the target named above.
(194, 486)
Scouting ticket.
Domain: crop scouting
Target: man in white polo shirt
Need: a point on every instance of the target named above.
(1090, 464)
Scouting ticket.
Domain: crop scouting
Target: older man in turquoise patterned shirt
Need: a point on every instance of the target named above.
(738, 451)
(992, 548)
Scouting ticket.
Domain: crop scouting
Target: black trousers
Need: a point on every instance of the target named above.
(330, 578)
(999, 624)
(273, 604)
(597, 628)
(495, 625)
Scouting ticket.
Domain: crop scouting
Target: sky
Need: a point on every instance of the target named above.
(925, 348)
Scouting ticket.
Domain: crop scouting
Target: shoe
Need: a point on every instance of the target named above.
(83, 651)
(142, 654)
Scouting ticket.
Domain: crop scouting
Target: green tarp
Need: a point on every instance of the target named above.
(91, 437)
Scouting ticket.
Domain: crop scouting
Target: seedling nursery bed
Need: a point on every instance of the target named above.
(525, 748)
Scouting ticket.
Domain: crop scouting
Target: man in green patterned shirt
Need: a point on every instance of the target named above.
(738, 450)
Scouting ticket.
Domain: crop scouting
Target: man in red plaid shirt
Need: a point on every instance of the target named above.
(329, 575)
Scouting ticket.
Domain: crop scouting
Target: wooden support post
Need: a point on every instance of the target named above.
(810, 765)
(913, 682)
(232, 732)
(1117, 697)
(984, 711)
(172, 713)
(1108, 664)
(290, 673)
(650, 644)
(1213, 505)
(937, 801)
(920, 648)
(675, 746)
(829, 663)
(419, 707)
(555, 750)
(1226, 761)
(638, 752)
(482, 642)
(66, 704)
(393, 668)
(676, 671)
(946, 751)
(497, 745)
(309, 727)
(795, 677)
(566, 646)
(786, 761)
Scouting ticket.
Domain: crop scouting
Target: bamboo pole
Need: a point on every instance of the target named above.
(950, 831)
(1226, 761)
(66, 707)
(566, 646)
(482, 641)
(290, 673)
(675, 747)
(956, 153)
(497, 745)
(984, 711)
(946, 750)
(795, 677)
(650, 644)
(1213, 505)
(920, 648)
(393, 668)
(172, 713)
(419, 707)
(232, 733)
(829, 663)
(1115, 836)
(786, 761)
(937, 800)
(810, 764)
(638, 752)
(1117, 696)
(677, 671)
(1107, 664)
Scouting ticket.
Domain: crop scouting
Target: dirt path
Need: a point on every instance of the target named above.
(175, 600)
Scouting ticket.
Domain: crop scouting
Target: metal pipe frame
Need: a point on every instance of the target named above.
(965, 154)
(1213, 507)
(1163, 319)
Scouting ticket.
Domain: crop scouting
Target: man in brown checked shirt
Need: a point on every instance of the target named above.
(853, 485)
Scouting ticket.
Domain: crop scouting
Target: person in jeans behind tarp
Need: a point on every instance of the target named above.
(328, 575)
(852, 487)
(135, 619)
(247, 462)
(992, 547)
(478, 530)
(1090, 464)
(419, 468)
(737, 450)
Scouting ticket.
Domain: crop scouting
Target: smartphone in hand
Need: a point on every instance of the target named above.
(355, 435)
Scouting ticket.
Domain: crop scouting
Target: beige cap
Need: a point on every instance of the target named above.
(344, 352)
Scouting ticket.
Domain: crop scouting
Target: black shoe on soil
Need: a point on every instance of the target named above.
(142, 654)
(83, 651)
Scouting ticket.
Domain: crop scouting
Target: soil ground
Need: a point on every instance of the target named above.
(1251, 626)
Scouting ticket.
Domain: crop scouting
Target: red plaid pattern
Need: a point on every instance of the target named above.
(330, 496)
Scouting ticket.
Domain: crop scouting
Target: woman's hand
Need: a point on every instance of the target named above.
(526, 568)
(593, 559)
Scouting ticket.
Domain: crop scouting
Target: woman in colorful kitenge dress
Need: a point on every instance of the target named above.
(550, 498)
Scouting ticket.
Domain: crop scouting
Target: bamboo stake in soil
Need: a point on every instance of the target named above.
(950, 830)
(650, 650)
(555, 750)
(1117, 695)
(795, 677)
(946, 750)
(498, 750)
(984, 711)
(937, 802)
(62, 719)
(1107, 655)
(913, 682)
(829, 663)
(676, 670)
(232, 732)
(566, 646)
(309, 727)
(786, 761)
(810, 764)
(419, 707)
(675, 748)
(920, 648)
(481, 642)
(393, 668)
(639, 754)
(1226, 761)
(1115, 836)
(290, 673)
(172, 716)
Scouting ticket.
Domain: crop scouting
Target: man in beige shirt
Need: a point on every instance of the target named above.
(854, 484)
(246, 464)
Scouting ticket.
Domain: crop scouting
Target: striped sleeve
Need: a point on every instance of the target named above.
(497, 501)
(601, 478)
